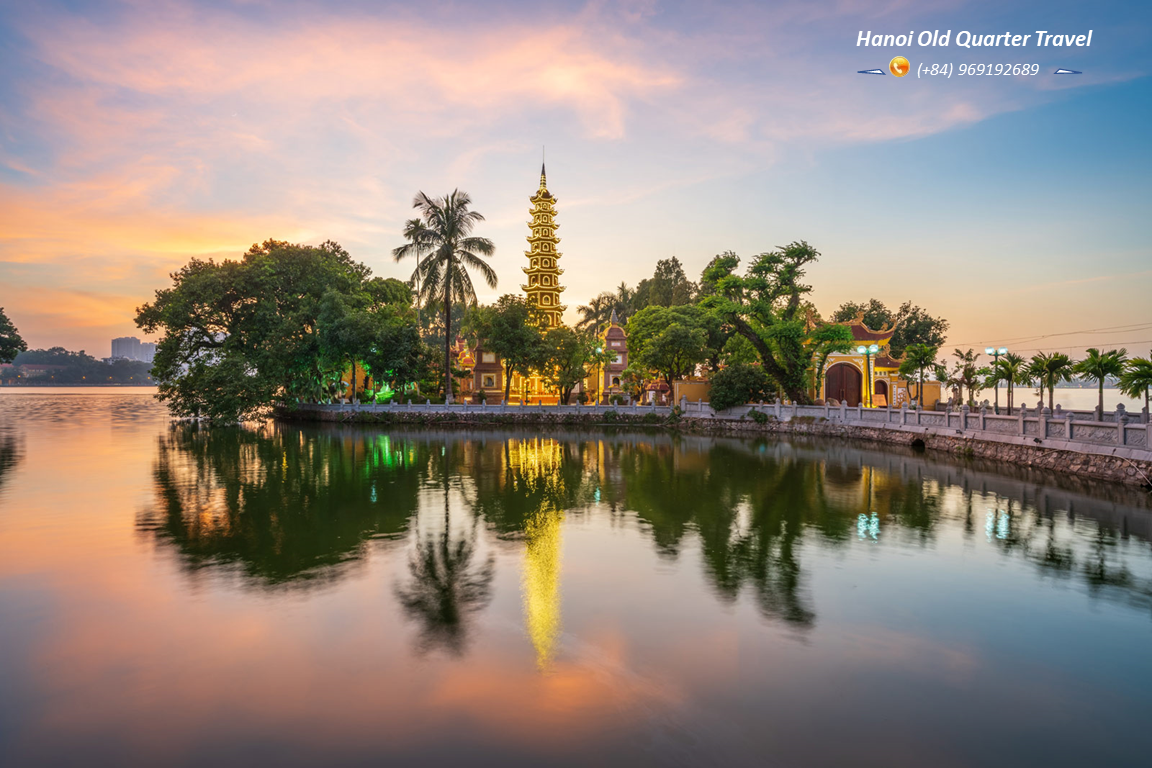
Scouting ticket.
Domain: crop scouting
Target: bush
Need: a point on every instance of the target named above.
(611, 417)
(739, 384)
(758, 416)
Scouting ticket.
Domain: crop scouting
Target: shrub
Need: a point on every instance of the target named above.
(739, 384)
(758, 416)
(480, 397)
(611, 417)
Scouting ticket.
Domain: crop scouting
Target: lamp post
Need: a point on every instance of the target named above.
(868, 352)
(995, 359)
(599, 373)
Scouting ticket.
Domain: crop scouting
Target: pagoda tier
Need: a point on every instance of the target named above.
(543, 287)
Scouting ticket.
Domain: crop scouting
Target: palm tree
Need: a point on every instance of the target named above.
(625, 297)
(444, 248)
(596, 313)
(918, 358)
(1049, 369)
(1010, 368)
(1098, 366)
(1137, 379)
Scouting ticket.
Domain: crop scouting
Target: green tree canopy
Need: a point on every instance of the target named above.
(237, 335)
(567, 357)
(1049, 369)
(668, 287)
(1099, 366)
(1137, 378)
(919, 358)
(511, 329)
(766, 307)
(739, 384)
(11, 344)
(668, 340)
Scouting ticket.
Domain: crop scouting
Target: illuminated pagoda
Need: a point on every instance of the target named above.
(543, 271)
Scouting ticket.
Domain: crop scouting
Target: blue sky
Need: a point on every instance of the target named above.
(135, 135)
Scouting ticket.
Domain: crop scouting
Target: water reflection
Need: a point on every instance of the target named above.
(284, 507)
(298, 506)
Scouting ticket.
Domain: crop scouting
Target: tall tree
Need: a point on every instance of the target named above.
(1137, 379)
(10, 342)
(766, 307)
(511, 329)
(917, 359)
(669, 286)
(596, 313)
(1049, 369)
(568, 356)
(444, 247)
(237, 335)
(1099, 367)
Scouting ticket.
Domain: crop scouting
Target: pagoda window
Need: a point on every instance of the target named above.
(489, 380)
(532, 280)
(547, 299)
(546, 280)
(545, 246)
(534, 263)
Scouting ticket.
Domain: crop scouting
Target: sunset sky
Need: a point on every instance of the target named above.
(137, 134)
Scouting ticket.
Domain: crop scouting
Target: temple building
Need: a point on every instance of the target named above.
(871, 378)
(606, 379)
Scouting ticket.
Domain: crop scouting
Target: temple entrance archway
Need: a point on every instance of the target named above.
(843, 382)
(880, 396)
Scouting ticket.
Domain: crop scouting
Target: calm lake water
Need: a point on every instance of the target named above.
(350, 596)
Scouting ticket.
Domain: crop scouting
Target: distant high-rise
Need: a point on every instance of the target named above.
(131, 348)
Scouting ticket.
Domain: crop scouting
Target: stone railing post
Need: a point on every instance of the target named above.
(859, 411)
(1042, 424)
(888, 413)
(827, 410)
(964, 409)
(778, 409)
(684, 403)
(983, 417)
(919, 408)
(1121, 423)
(409, 403)
(843, 411)
(1022, 417)
(903, 413)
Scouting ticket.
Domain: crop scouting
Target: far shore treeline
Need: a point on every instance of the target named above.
(286, 323)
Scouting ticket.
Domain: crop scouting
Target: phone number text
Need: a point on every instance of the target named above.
(976, 70)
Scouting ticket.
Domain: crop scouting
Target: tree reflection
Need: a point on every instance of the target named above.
(446, 587)
(281, 505)
(10, 454)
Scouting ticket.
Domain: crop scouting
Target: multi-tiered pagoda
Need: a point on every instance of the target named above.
(543, 288)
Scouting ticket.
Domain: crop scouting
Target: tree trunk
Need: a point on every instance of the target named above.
(507, 380)
(448, 333)
(353, 380)
(1100, 412)
(1051, 396)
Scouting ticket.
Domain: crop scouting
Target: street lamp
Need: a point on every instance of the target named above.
(599, 372)
(995, 359)
(868, 352)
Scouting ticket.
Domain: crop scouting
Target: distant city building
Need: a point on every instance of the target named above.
(131, 348)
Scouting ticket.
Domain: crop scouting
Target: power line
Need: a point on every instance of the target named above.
(1025, 339)
(1069, 346)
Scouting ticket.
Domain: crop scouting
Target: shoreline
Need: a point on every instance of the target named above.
(1129, 465)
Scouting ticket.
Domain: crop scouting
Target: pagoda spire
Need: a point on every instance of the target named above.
(543, 178)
